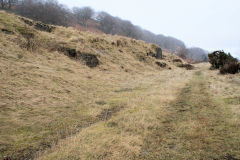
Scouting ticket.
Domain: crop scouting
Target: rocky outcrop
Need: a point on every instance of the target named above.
(88, 59)
(38, 25)
(28, 22)
(44, 27)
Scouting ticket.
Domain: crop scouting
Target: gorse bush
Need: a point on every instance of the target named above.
(223, 61)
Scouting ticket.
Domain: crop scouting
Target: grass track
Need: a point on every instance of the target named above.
(196, 128)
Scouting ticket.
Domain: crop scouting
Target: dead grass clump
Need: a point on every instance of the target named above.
(187, 66)
(232, 68)
(177, 60)
(121, 43)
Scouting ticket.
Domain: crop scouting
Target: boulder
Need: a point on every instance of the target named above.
(89, 60)
(159, 53)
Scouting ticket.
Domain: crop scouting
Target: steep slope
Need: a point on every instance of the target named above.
(54, 81)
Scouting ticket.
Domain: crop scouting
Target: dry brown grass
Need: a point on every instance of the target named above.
(126, 108)
(162, 123)
(46, 96)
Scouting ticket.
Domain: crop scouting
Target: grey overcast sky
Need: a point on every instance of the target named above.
(209, 24)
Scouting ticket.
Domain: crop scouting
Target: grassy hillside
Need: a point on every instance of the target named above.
(46, 95)
(66, 94)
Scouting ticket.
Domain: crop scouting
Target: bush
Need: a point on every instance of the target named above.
(225, 62)
(232, 68)
(219, 58)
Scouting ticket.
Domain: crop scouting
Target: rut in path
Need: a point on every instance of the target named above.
(195, 128)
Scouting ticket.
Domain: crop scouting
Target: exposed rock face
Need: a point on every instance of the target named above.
(159, 53)
(89, 60)
(44, 27)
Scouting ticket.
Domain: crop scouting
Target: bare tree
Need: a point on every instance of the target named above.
(107, 22)
(83, 14)
(49, 11)
(7, 4)
(182, 52)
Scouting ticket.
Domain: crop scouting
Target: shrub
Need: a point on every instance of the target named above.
(232, 68)
(219, 58)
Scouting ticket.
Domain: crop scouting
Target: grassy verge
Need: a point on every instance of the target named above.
(197, 127)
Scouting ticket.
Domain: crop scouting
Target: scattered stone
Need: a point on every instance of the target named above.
(150, 53)
(28, 22)
(44, 27)
(161, 64)
(6, 31)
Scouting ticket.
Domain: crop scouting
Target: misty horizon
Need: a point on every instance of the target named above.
(206, 24)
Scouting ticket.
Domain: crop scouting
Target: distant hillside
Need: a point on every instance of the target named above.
(85, 18)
